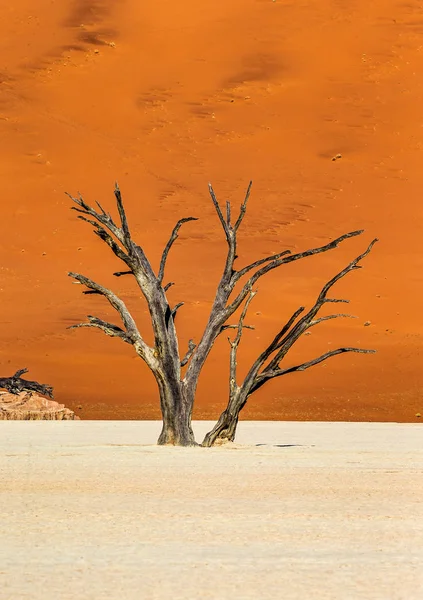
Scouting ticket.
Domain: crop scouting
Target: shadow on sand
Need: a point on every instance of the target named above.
(287, 445)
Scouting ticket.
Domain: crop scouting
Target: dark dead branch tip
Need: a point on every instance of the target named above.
(101, 209)
(176, 308)
(228, 213)
(269, 259)
(323, 357)
(122, 213)
(330, 317)
(243, 208)
(90, 221)
(168, 285)
(78, 200)
(20, 372)
(187, 219)
(219, 212)
(122, 273)
(170, 242)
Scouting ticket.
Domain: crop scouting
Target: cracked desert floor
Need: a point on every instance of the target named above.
(167, 96)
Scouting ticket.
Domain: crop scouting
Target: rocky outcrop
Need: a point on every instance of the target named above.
(32, 407)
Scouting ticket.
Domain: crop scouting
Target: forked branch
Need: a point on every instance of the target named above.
(131, 333)
(280, 260)
(309, 320)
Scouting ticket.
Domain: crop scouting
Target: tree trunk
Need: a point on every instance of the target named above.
(176, 411)
(225, 429)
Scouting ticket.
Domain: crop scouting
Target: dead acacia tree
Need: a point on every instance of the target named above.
(177, 390)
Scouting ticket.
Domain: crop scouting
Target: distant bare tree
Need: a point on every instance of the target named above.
(177, 391)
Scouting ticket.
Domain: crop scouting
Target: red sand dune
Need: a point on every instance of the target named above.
(166, 96)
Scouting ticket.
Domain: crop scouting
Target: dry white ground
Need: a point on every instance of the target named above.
(90, 510)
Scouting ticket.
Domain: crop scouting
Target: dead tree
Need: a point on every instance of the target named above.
(16, 385)
(177, 390)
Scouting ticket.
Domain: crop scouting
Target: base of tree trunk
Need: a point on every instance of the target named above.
(223, 431)
(176, 435)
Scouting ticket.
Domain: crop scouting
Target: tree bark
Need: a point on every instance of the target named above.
(176, 409)
(225, 429)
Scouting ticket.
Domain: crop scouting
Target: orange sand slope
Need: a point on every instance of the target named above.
(166, 96)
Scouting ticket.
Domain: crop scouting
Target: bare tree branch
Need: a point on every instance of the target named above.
(176, 308)
(191, 347)
(238, 274)
(219, 213)
(16, 385)
(109, 328)
(118, 304)
(283, 261)
(135, 257)
(330, 317)
(103, 218)
(304, 323)
(259, 362)
(122, 215)
(269, 374)
(243, 209)
(235, 342)
(228, 213)
(121, 273)
(173, 237)
(101, 209)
